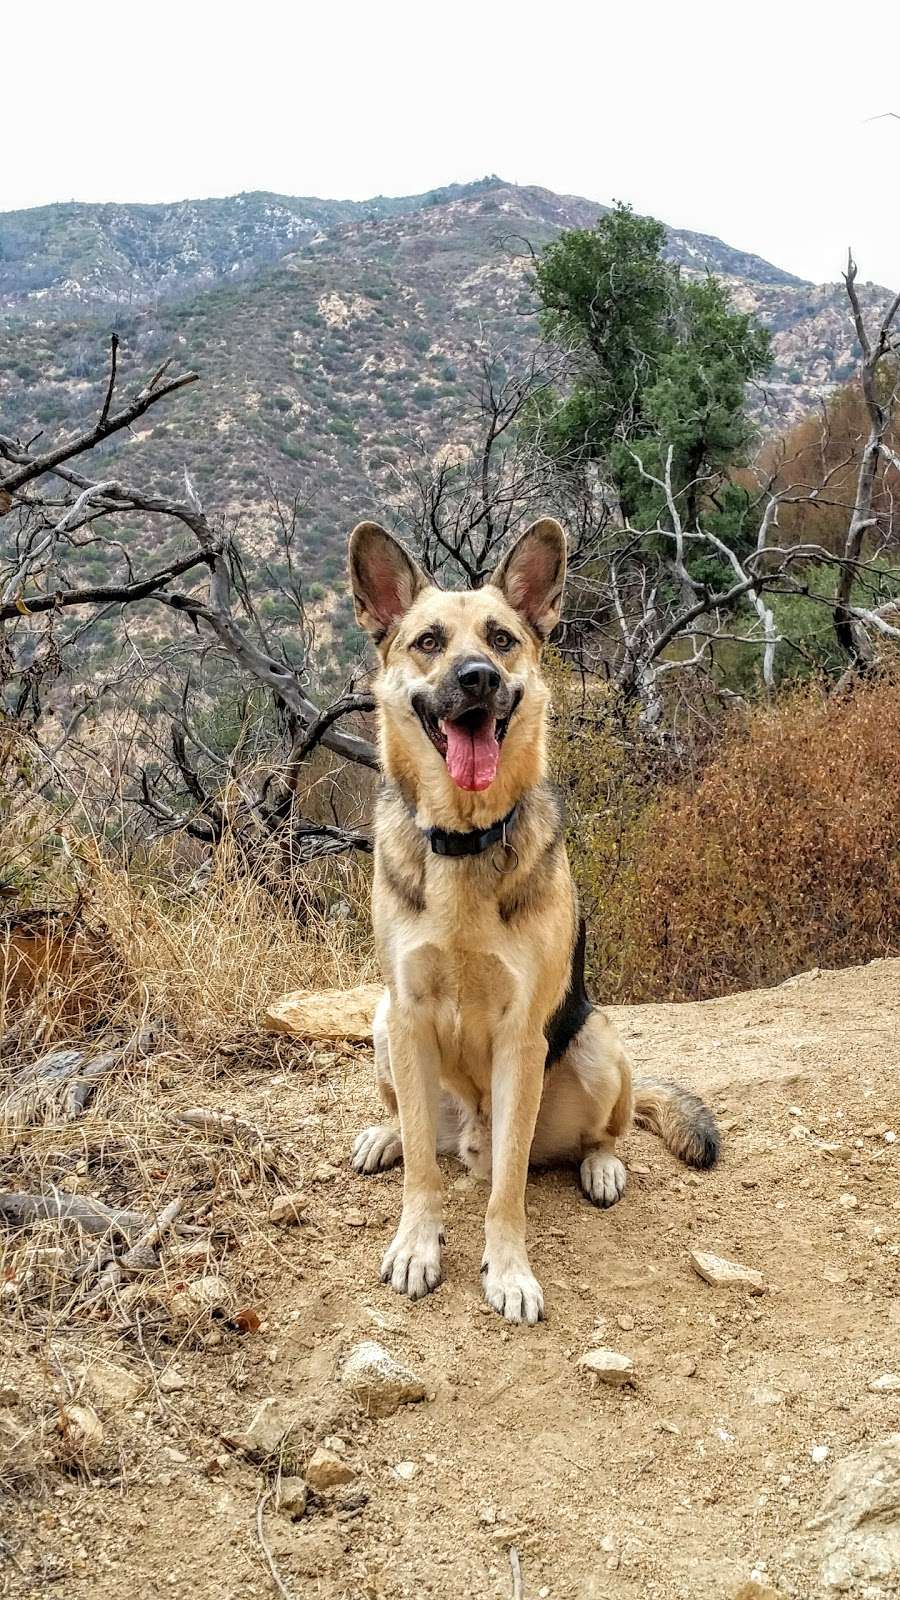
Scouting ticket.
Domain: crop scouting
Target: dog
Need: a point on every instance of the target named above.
(486, 1044)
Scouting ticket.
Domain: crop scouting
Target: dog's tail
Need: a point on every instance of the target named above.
(686, 1126)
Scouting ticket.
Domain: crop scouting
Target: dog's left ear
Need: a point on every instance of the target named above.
(384, 579)
(532, 574)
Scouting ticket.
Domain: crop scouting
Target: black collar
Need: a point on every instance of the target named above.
(474, 842)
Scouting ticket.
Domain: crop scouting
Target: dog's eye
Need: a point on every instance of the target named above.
(429, 643)
(501, 640)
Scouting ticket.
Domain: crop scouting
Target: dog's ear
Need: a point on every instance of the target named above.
(384, 580)
(532, 574)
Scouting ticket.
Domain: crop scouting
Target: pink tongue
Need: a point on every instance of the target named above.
(472, 758)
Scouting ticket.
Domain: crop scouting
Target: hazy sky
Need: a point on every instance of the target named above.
(747, 121)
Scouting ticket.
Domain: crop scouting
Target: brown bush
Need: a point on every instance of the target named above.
(783, 855)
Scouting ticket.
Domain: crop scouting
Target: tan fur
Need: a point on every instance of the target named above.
(476, 952)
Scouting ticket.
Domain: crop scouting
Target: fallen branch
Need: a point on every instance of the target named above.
(20, 1209)
(141, 1255)
(263, 1544)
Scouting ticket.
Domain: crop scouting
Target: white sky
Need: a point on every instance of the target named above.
(746, 121)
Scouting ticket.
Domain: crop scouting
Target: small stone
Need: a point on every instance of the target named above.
(9, 1394)
(201, 1298)
(487, 1515)
(406, 1470)
(835, 1275)
(767, 1397)
(178, 1456)
(639, 1170)
(723, 1274)
(292, 1498)
(609, 1366)
(683, 1367)
(354, 1218)
(848, 1202)
(114, 1384)
(325, 1470)
(273, 1423)
(819, 1453)
(81, 1432)
(625, 1321)
(890, 1136)
(325, 1173)
(887, 1383)
(756, 1591)
(171, 1381)
(377, 1381)
(289, 1208)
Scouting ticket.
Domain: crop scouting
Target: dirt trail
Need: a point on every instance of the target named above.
(699, 1480)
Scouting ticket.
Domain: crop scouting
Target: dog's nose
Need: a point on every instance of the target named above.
(478, 676)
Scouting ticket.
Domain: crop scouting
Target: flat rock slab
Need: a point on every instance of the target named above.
(724, 1274)
(326, 1013)
(609, 1366)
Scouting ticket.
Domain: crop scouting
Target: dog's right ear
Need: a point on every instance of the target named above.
(384, 580)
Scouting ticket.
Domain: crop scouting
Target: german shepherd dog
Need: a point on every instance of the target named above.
(486, 1043)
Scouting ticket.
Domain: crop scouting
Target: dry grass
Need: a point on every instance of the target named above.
(176, 973)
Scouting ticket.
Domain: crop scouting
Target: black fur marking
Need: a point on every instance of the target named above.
(573, 1011)
(409, 893)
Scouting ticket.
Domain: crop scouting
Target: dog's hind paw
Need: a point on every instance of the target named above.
(412, 1265)
(603, 1178)
(376, 1149)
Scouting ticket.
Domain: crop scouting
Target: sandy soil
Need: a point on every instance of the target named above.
(694, 1483)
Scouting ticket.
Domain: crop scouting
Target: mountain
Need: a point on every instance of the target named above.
(333, 338)
(77, 256)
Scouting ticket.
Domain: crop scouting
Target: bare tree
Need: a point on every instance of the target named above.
(56, 515)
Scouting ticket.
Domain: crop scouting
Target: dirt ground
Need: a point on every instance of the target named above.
(692, 1484)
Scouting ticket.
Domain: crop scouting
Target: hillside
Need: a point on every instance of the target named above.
(740, 1466)
(333, 338)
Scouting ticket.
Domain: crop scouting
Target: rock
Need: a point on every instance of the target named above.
(355, 1218)
(756, 1591)
(405, 1470)
(887, 1383)
(326, 1013)
(819, 1453)
(292, 1498)
(625, 1321)
(377, 1381)
(18, 1457)
(9, 1394)
(767, 1397)
(859, 1524)
(289, 1208)
(325, 1470)
(609, 1366)
(275, 1424)
(114, 1384)
(201, 1298)
(848, 1202)
(683, 1366)
(724, 1274)
(81, 1432)
(171, 1381)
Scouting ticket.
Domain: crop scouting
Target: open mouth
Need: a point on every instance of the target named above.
(469, 744)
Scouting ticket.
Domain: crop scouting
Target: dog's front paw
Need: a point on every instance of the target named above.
(603, 1178)
(376, 1149)
(514, 1291)
(412, 1264)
